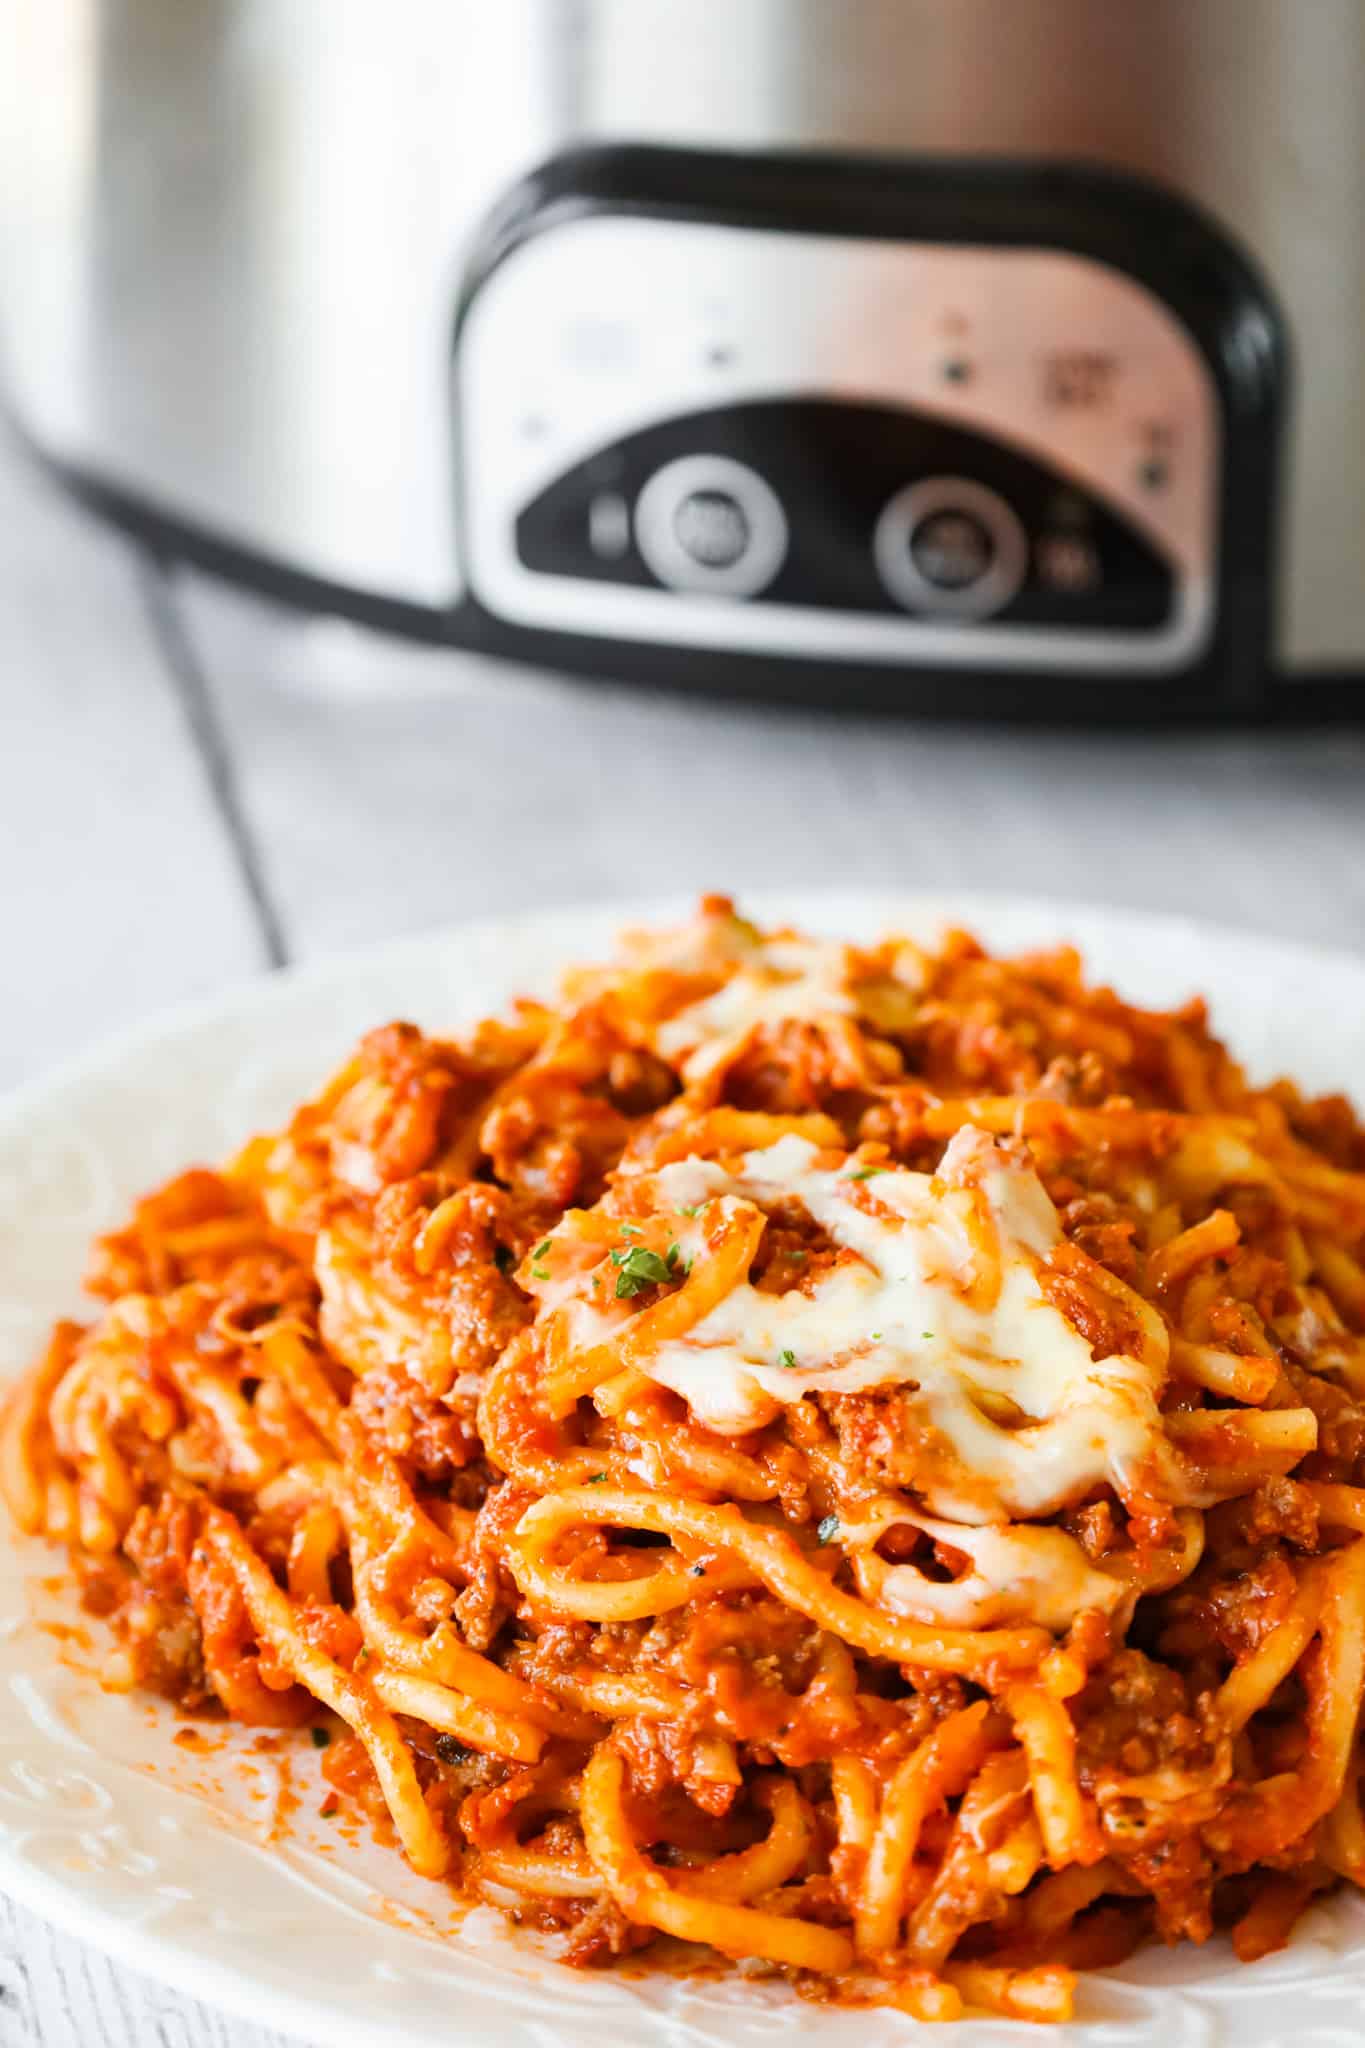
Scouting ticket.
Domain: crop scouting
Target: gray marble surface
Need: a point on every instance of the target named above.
(194, 785)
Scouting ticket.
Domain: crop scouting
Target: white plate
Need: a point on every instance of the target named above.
(170, 1863)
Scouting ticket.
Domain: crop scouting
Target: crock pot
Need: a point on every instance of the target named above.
(996, 354)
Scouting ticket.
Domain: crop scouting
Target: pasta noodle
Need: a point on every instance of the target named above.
(848, 1458)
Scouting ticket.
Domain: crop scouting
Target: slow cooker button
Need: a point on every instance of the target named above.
(952, 550)
(710, 524)
(949, 547)
(712, 528)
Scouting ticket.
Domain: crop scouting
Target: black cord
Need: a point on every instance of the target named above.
(157, 588)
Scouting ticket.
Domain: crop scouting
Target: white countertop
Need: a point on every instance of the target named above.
(194, 784)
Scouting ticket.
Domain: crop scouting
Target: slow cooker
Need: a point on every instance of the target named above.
(997, 355)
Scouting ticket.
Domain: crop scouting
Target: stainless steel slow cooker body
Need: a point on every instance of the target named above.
(1051, 290)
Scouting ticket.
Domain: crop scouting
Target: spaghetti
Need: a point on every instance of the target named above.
(853, 1459)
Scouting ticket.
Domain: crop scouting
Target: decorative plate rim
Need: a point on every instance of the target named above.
(1323, 1974)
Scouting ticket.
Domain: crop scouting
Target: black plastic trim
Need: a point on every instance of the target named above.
(1325, 697)
(175, 539)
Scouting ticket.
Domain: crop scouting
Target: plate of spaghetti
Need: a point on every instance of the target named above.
(804, 1465)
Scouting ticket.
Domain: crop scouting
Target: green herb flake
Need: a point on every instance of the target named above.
(321, 1737)
(630, 1229)
(828, 1529)
(540, 1272)
(691, 1209)
(598, 1479)
(787, 1358)
(866, 1172)
(638, 1269)
(928, 1336)
(541, 1249)
(876, 1336)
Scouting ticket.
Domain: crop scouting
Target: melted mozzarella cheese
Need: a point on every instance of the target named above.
(1017, 1572)
(781, 981)
(900, 1313)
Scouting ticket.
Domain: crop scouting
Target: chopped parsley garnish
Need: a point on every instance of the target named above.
(321, 1737)
(928, 1336)
(691, 1210)
(787, 1358)
(630, 1229)
(504, 1258)
(640, 1268)
(866, 1172)
(828, 1529)
(598, 1479)
(876, 1336)
(540, 1272)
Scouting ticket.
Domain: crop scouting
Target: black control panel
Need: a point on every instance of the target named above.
(846, 507)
